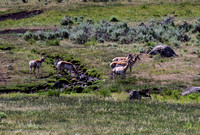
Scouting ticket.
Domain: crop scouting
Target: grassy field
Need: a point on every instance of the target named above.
(90, 114)
(128, 13)
(106, 110)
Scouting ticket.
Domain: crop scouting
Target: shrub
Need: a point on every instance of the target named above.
(66, 21)
(27, 35)
(78, 89)
(197, 43)
(92, 72)
(50, 35)
(124, 40)
(91, 42)
(89, 21)
(55, 42)
(2, 115)
(55, 93)
(194, 96)
(64, 33)
(93, 87)
(163, 31)
(197, 51)
(64, 80)
(185, 26)
(87, 90)
(114, 19)
(104, 92)
(79, 19)
(177, 43)
(80, 37)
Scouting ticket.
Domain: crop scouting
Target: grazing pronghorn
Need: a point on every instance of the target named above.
(66, 65)
(119, 71)
(36, 64)
(130, 56)
(124, 62)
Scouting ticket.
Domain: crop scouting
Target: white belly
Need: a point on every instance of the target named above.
(118, 70)
(119, 65)
(62, 66)
(34, 64)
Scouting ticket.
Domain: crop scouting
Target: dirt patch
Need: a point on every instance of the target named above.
(20, 15)
(3, 73)
(31, 29)
(4, 9)
(178, 69)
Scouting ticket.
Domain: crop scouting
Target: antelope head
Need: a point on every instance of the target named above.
(130, 56)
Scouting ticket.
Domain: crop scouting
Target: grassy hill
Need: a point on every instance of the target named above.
(103, 106)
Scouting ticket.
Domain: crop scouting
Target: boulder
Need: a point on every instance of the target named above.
(190, 90)
(163, 50)
(134, 95)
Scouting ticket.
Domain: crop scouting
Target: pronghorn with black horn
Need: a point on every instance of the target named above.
(119, 70)
(130, 56)
(36, 64)
(62, 65)
(124, 62)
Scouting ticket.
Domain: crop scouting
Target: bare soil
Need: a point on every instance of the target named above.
(24, 30)
(4, 77)
(20, 15)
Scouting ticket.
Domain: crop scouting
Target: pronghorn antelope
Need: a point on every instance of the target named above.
(66, 65)
(119, 71)
(36, 64)
(130, 56)
(124, 62)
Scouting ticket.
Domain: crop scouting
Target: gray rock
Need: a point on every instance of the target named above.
(134, 95)
(190, 90)
(163, 50)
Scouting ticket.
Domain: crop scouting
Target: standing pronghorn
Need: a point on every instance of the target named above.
(130, 56)
(124, 62)
(120, 70)
(36, 64)
(66, 65)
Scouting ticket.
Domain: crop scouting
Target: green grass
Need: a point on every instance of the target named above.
(108, 110)
(127, 13)
(87, 114)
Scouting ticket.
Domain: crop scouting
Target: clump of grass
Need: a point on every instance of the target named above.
(2, 115)
(55, 42)
(92, 72)
(53, 92)
(92, 42)
(28, 35)
(66, 21)
(104, 92)
(72, 111)
(114, 19)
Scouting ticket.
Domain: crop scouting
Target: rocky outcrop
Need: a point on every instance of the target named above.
(163, 50)
(190, 90)
(134, 95)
